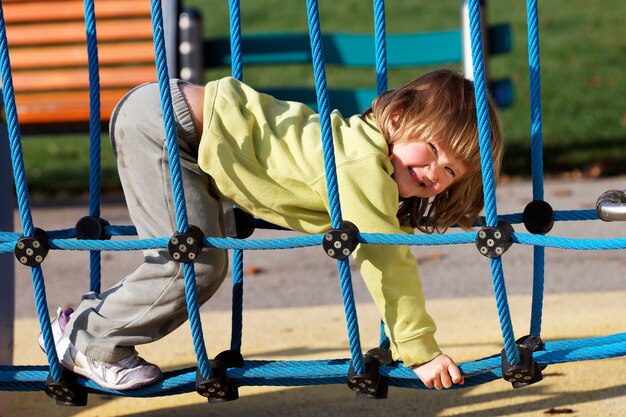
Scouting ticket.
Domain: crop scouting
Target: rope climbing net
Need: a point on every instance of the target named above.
(521, 360)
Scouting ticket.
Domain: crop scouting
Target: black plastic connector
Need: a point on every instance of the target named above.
(185, 247)
(492, 242)
(237, 223)
(538, 217)
(219, 388)
(31, 251)
(340, 243)
(527, 371)
(67, 391)
(91, 228)
(371, 385)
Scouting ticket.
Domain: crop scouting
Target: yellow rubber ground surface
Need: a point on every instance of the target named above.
(468, 329)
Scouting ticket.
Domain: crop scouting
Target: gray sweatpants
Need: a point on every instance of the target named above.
(150, 302)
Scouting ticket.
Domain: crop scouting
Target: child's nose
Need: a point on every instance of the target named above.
(434, 171)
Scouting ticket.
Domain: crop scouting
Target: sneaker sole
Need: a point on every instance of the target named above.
(120, 387)
(104, 384)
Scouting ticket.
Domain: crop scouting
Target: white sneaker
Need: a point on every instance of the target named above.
(57, 325)
(128, 373)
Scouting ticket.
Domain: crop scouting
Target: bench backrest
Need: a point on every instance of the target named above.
(356, 50)
(48, 53)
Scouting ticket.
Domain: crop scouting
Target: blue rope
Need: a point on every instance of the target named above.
(23, 199)
(177, 185)
(235, 40)
(321, 89)
(118, 230)
(15, 140)
(237, 315)
(315, 240)
(237, 268)
(285, 373)
(331, 371)
(380, 44)
(484, 133)
(94, 107)
(539, 253)
(94, 135)
(535, 98)
(537, 157)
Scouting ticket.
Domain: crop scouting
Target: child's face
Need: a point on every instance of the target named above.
(424, 169)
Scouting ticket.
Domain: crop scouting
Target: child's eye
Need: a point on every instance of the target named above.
(433, 148)
(451, 171)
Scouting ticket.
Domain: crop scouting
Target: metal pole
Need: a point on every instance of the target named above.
(170, 26)
(190, 46)
(7, 265)
(468, 67)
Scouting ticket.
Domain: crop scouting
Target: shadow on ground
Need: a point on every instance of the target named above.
(337, 401)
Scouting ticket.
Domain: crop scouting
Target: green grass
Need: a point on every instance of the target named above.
(583, 56)
(59, 165)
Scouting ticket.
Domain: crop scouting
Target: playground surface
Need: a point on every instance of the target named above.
(293, 310)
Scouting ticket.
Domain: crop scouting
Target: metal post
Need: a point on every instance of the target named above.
(7, 265)
(190, 48)
(468, 67)
(170, 11)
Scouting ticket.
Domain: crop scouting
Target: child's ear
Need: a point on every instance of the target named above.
(393, 124)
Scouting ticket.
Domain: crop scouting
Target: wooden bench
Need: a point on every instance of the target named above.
(48, 53)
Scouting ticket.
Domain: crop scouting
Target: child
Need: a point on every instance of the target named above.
(413, 155)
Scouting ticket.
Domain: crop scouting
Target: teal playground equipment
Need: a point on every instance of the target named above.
(521, 360)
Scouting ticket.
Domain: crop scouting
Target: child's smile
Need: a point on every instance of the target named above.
(423, 169)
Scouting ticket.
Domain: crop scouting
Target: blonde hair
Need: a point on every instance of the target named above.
(440, 106)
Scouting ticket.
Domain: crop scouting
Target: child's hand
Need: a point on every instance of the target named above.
(439, 373)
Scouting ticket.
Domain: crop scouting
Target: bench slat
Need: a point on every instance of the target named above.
(71, 56)
(71, 107)
(74, 32)
(38, 11)
(78, 79)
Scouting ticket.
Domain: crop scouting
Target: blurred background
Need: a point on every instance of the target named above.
(583, 56)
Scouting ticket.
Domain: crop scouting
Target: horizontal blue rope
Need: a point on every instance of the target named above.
(570, 243)
(331, 371)
(313, 240)
(417, 240)
(514, 218)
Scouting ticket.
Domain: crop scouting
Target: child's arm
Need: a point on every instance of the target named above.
(439, 373)
(390, 272)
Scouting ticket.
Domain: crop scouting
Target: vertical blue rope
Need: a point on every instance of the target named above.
(237, 268)
(484, 133)
(44, 322)
(15, 140)
(380, 45)
(538, 289)
(237, 315)
(168, 117)
(321, 90)
(94, 135)
(177, 184)
(537, 156)
(23, 199)
(235, 40)
(331, 180)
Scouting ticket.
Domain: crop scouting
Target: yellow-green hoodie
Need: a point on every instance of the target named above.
(266, 156)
